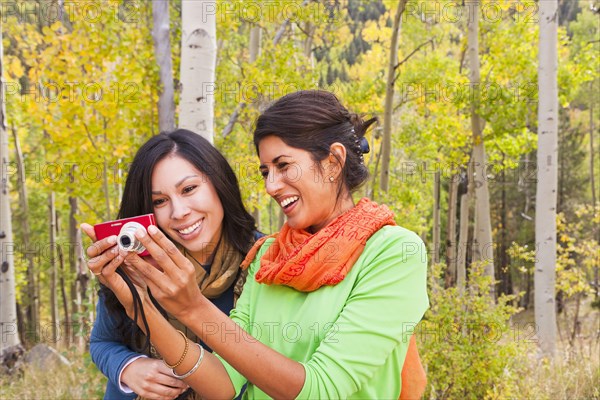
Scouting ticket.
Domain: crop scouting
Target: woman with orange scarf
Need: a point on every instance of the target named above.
(330, 302)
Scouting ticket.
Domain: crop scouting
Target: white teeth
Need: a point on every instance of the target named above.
(190, 229)
(288, 201)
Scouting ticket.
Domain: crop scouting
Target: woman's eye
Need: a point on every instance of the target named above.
(188, 189)
(158, 202)
(282, 165)
(264, 173)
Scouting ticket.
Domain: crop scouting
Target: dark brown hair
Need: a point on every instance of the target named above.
(313, 120)
(238, 225)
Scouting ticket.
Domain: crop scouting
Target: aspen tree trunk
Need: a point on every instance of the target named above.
(10, 344)
(309, 28)
(463, 235)
(547, 156)
(105, 189)
(451, 232)
(198, 63)
(254, 50)
(33, 305)
(592, 181)
(504, 269)
(389, 98)
(162, 52)
(483, 249)
(284, 26)
(592, 150)
(53, 271)
(77, 269)
(69, 316)
(64, 336)
(436, 217)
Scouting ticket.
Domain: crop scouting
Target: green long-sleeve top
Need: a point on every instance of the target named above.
(351, 338)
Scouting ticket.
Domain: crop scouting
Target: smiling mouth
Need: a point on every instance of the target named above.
(190, 228)
(287, 202)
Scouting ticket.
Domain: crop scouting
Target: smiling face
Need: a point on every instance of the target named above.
(186, 206)
(300, 185)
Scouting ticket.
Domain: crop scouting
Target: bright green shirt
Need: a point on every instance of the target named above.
(351, 338)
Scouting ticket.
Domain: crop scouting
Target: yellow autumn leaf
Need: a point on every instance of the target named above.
(14, 68)
(56, 26)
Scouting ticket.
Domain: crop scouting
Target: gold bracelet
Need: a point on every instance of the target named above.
(187, 345)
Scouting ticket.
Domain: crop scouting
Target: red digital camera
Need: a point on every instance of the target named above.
(125, 229)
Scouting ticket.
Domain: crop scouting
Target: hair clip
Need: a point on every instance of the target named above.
(361, 145)
(364, 145)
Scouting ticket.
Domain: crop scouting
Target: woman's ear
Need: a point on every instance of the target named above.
(336, 160)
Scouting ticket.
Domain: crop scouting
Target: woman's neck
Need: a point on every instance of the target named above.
(340, 208)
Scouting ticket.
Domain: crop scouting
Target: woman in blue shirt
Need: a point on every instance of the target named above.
(195, 198)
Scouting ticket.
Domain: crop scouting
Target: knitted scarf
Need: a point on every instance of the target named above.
(307, 261)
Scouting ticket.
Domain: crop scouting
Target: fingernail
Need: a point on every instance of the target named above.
(152, 229)
(140, 233)
(112, 239)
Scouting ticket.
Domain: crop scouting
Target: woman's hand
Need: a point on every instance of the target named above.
(152, 379)
(173, 279)
(104, 259)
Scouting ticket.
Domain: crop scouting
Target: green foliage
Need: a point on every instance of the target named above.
(578, 249)
(468, 345)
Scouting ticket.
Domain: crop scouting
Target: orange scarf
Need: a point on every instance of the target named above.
(307, 261)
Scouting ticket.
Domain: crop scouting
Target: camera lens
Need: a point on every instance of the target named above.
(125, 241)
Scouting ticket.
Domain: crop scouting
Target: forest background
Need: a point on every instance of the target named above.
(81, 85)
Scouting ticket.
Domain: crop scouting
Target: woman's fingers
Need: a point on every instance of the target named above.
(100, 247)
(89, 231)
(107, 274)
(174, 284)
(151, 275)
(178, 258)
(98, 263)
(163, 251)
(101, 253)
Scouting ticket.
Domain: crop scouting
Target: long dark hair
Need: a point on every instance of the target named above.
(238, 224)
(313, 120)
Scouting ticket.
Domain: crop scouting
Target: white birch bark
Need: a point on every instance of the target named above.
(8, 310)
(162, 52)
(198, 63)
(547, 173)
(483, 249)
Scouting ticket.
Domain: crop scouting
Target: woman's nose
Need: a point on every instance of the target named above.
(180, 209)
(273, 183)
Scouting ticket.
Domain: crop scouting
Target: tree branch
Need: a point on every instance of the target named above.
(100, 217)
(233, 119)
(409, 56)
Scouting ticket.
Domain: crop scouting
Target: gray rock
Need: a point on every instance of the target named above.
(45, 357)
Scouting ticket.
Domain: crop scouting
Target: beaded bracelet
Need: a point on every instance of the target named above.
(194, 368)
(185, 350)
